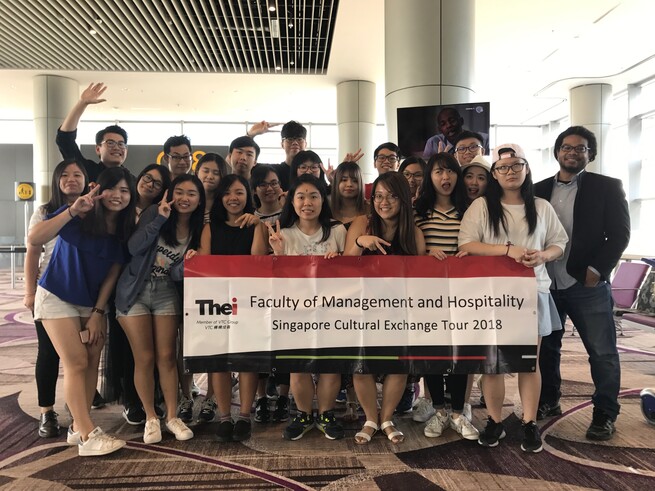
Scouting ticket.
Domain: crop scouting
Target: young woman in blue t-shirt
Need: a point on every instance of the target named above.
(73, 292)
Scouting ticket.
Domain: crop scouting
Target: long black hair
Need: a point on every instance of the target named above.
(169, 230)
(165, 179)
(95, 222)
(428, 194)
(289, 215)
(57, 197)
(398, 185)
(494, 194)
(218, 212)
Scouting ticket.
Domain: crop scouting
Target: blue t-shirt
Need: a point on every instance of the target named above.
(80, 263)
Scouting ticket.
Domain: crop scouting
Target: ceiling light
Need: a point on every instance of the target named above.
(278, 68)
(290, 25)
(92, 31)
(271, 8)
(98, 20)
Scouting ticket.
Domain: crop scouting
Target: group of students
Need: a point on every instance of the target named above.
(131, 236)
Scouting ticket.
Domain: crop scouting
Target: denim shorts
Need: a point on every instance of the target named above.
(158, 297)
(49, 306)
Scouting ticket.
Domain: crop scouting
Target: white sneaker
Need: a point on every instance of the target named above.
(436, 425)
(99, 443)
(72, 437)
(464, 427)
(152, 432)
(468, 411)
(179, 429)
(423, 410)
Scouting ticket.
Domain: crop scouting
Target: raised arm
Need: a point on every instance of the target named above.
(91, 95)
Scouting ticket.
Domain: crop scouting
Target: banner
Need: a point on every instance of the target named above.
(371, 314)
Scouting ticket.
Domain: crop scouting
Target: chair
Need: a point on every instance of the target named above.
(625, 289)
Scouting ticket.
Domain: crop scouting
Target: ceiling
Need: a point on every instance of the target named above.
(217, 60)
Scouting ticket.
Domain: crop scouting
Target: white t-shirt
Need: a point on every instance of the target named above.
(37, 217)
(549, 231)
(297, 243)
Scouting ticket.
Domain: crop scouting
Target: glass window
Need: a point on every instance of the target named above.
(86, 131)
(150, 133)
(16, 131)
(323, 136)
(214, 133)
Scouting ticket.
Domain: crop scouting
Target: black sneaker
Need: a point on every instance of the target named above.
(341, 397)
(159, 412)
(134, 415)
(407, 400)
(207, 411)
(98, 401)
(327, 423)
(48, 424)
(185, 409)
(241, 431)
(262, 413)
(482, 401)
(281, 412)
(225, 430)
(547, 410)
(493, 432)
(602, 426)
(531, 438)
(300, 425)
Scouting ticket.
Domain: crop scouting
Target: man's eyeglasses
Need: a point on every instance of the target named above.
(504, 169)
(179, 158)
(470, 148)
(577, 148)
(392, 159)
(148, 179)
(297, 140)
(305, 168)
(379, 198)
(114, 144)
(413, 175)
(272, 184)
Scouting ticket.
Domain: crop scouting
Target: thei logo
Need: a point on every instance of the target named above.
(209, 307)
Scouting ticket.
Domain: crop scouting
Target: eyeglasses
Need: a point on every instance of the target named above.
(297, 139)
(504, 169)
(577, 148)
(148, 179)
(179, 158)
(470, 148)
(391, 198)
(114, 144)
(305, 168)
(392, 159)
(413, 175)
(272, 184)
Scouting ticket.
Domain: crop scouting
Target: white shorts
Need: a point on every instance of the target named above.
(49, 306)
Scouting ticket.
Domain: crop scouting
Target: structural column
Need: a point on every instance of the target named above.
(590, 107)
(53, 98)
(356, 121)
(429, 54)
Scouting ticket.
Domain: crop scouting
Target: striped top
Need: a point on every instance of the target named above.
(440, 229)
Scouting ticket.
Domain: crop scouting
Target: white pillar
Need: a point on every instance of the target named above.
(590, 107)
(53, 97)
(356, 122)
(429, 54)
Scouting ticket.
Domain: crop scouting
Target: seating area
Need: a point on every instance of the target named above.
(633, 292)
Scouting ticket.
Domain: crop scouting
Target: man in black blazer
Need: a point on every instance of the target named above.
(594, 212)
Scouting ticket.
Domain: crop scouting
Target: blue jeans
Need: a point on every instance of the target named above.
(590, 310)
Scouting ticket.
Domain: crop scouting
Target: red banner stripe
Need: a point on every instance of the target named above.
(353, 267)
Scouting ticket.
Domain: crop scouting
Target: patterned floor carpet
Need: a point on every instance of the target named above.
(266, 461)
